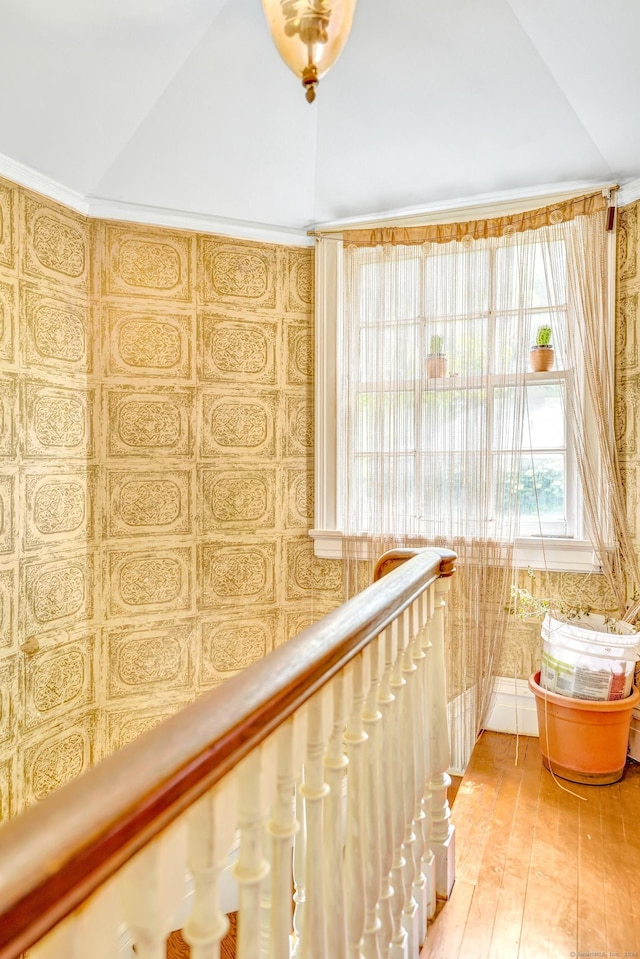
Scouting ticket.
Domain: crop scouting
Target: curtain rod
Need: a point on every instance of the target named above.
(418, 219)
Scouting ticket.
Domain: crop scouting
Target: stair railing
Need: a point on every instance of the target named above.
(325, 763)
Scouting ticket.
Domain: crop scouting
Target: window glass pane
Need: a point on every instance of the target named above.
(389, 353)
(452, 493)
(530, 275)
(385, 496)
(464, 343)
(532, 418)
(453, 420)
(390, 290)
(516, 334)
(538, 481)
(386, 421)
(456, 281)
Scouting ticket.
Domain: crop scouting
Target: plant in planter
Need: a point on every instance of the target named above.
(541, 355)
(584, 693)
(436, 358)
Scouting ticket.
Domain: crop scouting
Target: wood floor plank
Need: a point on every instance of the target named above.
(476, 943)
(445, 935)
(622, 893)
(507, 926)
(592, 923)
(476, 799)
(549, 920)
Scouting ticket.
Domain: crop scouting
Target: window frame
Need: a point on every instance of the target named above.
(557, 553)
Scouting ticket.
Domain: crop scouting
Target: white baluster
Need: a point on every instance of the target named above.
(386, 702)
(420, 890)
(282, 827)
(409, 671)
(355, 739)
(314, 790)
(442, 831)
(428, 859)
(211, 825)
(335, 764)
(399, 947)
(251, 867)
(372, 722)
(299, 893)
(153, 889)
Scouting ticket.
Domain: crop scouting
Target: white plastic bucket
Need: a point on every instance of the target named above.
(588, 658)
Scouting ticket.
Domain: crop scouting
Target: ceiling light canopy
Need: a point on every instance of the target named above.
(309, 35)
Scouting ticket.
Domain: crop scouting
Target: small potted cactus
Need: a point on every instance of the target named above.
(436, 358)
(541, 355)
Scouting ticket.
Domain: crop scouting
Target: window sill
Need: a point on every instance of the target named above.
(557, 555)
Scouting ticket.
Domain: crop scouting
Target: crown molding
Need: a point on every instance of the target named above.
(629, 192)
(499, 202)
(101, 208)
(104, 209)
(32, 179)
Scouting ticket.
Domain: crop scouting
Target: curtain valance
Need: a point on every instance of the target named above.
(478, 229)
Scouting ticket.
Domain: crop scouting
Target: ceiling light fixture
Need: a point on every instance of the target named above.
(309, 35)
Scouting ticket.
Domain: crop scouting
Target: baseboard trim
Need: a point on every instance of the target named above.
(512, 708)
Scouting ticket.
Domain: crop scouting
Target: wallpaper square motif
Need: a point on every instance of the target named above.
(8, 608)
(149, 422)
(300, 354)
(242, 499)
(8, 415)
(8, 194)
(299, 497)
(58, 678)
(59, 421)
(7, 513)
(147, 660)
(54, 331)
(56, 246)
(57, 593)
(7, 789)
(148, 581)
(47, 764)
(238, 350)
(299, 273)
(232, 572)
(237, 274)
(9, 698)
(298, 426)
(125, 725)
(148, 342)
(143, 503)
(8, 310)
(239, 425)
(230, 644)
(60, 507)
(307, 573)
(148, 263)
(627, 331)
(627, 243)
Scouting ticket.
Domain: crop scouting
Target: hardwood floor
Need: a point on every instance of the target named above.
(540, 873)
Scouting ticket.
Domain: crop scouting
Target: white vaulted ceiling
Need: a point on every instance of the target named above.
(185, 106)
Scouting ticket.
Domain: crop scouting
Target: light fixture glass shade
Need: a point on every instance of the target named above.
(309, 35)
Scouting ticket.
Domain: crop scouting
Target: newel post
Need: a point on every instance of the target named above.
(442, 830)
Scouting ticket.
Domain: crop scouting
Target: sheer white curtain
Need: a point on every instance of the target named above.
(449, 438)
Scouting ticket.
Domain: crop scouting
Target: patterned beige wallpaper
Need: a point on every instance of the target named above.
(523, 645)
(156, 486)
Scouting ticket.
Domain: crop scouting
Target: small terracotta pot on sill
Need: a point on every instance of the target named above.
(436, 366)
(541, 358)
(583, 740)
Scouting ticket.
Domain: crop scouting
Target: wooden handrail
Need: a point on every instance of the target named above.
(55, 854)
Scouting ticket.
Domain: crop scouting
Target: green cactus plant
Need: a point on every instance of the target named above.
(543, 336)
(437, 344)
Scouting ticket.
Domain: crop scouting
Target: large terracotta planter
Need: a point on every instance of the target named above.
(581, 740)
